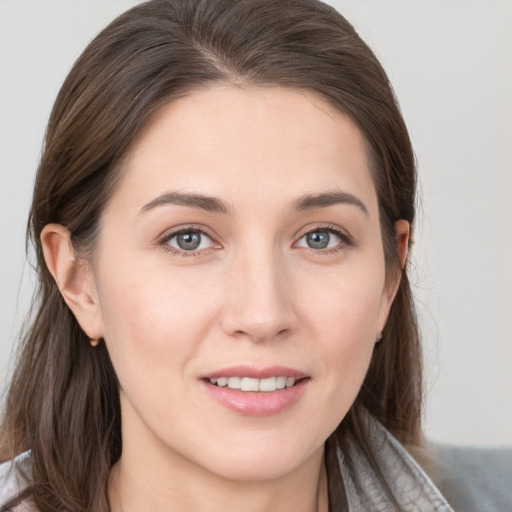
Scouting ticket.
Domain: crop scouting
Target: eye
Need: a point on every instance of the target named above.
(321, 239)
(189, 240)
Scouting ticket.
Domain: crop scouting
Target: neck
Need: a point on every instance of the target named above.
(161, 486)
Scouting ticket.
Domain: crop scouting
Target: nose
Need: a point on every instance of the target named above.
(259, 304)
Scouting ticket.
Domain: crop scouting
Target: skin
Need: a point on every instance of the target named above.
(253, 293)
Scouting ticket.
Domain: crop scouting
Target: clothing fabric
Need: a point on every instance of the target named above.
(12, 481)
(411, 487)
(459, 475)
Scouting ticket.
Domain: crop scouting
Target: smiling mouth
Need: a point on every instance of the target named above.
(251, 384)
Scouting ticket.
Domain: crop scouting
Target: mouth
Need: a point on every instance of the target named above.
(251, 384)
(254, 391)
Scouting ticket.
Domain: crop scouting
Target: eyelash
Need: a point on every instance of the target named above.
(346, 240)
(164, 241)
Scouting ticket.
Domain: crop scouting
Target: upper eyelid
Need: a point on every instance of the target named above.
(164, 239)
(346, 239)
(323, 227)
(172, 232)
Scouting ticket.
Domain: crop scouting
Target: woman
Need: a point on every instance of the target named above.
(222, 218)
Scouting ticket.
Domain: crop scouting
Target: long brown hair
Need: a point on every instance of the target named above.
(63, 401)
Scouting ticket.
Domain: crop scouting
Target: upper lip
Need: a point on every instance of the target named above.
(255, 372)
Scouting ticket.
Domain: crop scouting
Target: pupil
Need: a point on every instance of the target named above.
(189, 240)
(318, 239)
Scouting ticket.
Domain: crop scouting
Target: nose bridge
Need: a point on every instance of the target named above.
(259, 295)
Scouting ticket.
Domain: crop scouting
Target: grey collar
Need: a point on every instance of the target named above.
(409, 484)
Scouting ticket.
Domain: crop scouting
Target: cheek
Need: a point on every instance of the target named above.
(344, 321)
(346, 307)
(154, 327)
(348, 342)
(153, 320)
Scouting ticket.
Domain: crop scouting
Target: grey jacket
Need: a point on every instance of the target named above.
(468, 485)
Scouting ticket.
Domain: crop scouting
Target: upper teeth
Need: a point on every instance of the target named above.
(249, 384)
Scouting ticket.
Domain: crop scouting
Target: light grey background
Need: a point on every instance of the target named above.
(451, 65)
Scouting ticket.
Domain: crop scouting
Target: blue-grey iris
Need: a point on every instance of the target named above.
(318, 239)
(188, 240)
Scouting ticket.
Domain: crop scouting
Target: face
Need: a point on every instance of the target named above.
(241, 253)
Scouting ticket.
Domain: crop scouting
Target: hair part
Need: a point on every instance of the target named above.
(64, 399)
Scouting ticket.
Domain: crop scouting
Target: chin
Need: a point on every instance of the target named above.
(253, 471)
(262, 462)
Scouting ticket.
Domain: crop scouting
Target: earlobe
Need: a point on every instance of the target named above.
(73, 278)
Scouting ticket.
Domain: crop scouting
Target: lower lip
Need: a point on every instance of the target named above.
(262, 403)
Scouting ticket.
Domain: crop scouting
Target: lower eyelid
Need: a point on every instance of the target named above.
(344, 239)
(164, 241)
(203, 235)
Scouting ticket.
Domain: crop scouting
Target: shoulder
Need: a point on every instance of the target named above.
(474, 479)
(13, 479)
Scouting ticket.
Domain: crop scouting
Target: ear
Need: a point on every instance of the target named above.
(402, 233)
(73, 277)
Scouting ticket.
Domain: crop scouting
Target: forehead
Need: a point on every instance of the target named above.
(234, 141)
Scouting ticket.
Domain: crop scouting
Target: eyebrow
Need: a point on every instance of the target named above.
(311, 202)
(215, 205)
(207, 203)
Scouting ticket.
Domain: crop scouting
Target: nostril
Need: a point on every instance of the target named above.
(259, 321)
